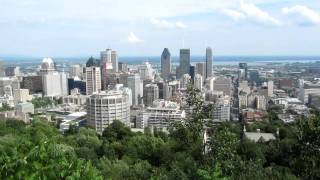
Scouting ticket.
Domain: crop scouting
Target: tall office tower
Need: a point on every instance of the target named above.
(209, 59)
(33, 83)
(105, 107)
(192, 72)
(254, 77)
(146, 71)
(2, 69)
(243, 71)
(223, 84)
(167, 91)
(198, 81)
(160, 85)
(166, 63)
(12, 71)
(53, 82)
(161, 115)
(47, 66)
(201, 69)
(93, 80)
(184, 81)
(210, 83)
(114, 60)
(270, 88)
(106, 67)
(150, 93)
(123, 67)
(184, 67)
(76, 70)
(136, 86)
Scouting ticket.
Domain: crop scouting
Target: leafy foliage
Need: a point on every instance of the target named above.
(39, 151)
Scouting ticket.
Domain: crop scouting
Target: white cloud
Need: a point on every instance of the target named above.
(132, 38)
(180, 25)
(101, 10)
(303, 14)
(235, 15)
(164, 24)
(250, 12)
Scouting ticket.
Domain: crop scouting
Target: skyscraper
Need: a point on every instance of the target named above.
(209, 59)
(243, 71)
(54, 83)
(150, 93)
(184, 81)
(114, 60)
(184, 67)
(146, 71)
(165, 63)
(105, 107)
(93, 80)
(192, 72)
(201, 69)
(198, 81)
(2, 69)
(135, 84)
(93, 76)
(106, 66)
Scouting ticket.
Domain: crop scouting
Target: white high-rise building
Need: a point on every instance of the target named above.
(105, 107)
(209, 60)
(146, 71)
(55, 84)
(270, 88)
(136, 86)
(93, 80)
(161, 115)
(167, 91)
(114, 60)
(210, 83)
(198, 82)
(184, 81)
(47, 66)
(2, 69)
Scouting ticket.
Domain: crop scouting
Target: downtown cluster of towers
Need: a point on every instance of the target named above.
(184, 65)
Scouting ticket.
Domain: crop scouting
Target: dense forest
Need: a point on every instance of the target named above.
(39, 151)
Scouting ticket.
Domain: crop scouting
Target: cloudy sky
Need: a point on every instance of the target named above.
(145, 27)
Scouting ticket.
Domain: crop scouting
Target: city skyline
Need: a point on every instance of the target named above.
(80, 28)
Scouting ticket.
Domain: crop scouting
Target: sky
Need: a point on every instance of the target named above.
(70, 28)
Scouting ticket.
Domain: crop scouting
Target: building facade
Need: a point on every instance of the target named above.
(166, 63)
(105, 107)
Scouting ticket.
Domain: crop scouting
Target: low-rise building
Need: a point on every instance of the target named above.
(161, 115)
